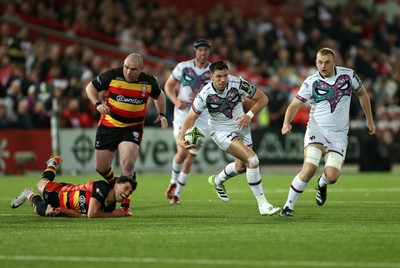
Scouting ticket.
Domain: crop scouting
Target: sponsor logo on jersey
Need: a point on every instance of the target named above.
(121, 98)
(82, 203)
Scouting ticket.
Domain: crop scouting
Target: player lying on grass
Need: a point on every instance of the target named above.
(94, 199)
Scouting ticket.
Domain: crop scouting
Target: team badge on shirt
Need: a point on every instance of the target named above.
(223, 105)
(322, 91)
(144, 89)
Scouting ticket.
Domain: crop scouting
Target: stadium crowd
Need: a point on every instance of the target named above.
(276, 51)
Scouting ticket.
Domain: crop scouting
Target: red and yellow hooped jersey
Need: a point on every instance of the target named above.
(127, 101)
(77, 197)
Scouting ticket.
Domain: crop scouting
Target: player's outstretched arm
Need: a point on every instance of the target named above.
(170, 91)
(95, 211)
(260, 100)
(366, 106)
(161, 107)
(71, 213)
(291, 112)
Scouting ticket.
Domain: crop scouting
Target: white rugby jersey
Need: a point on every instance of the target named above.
(224, 107)
(192, 79)
(330, 98)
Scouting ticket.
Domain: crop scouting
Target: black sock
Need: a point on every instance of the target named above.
(49, 174)
(41, 206)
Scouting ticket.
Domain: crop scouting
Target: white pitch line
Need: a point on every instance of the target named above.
(330, 189)
(263, 263)
(18, 215)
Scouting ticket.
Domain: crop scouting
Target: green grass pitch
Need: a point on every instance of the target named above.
(359, 226)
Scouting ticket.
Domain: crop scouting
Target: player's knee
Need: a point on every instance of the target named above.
(253, 161)
(127, 166)
(38, 186)
(334, 160)
(313, 155)
(41, 184)
(331, 174)
(331, 178)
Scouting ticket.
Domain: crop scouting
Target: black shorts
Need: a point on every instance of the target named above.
(50, 193)
(108, 138)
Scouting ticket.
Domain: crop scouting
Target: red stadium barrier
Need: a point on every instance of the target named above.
(24, 149)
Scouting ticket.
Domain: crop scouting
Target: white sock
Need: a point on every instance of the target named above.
(323, 182)
(296, 188)
(254, 179)
(228, 172)
(183, 177)
(29, 193)
(176, 169)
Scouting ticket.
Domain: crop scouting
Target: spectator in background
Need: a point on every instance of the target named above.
(19, 74)
(4, 119)
(355, 15)
(37, 55)
(73, 117)
(6, 70)
(363, 62)
(86, 106)
(319, 14)
(24, 120)
(70, 61)
(73, 90)
(20, 46)
(278, 102)
(40, 116)
(312, 44)
(396, 98)
(14, 96)
(130, 38)
(51, 64)
(92, 64)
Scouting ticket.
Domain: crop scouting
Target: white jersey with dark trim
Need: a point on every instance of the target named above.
(192, 79)
(330, 98)
(224, 108)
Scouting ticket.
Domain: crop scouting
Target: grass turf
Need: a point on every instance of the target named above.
(359, 226)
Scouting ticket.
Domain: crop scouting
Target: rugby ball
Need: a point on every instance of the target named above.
(194, 136)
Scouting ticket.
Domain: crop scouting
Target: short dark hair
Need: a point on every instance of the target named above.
(201, 43)
(219, 65)
(131, 180)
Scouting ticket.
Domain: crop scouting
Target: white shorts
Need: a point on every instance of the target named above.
(333, 141)
(224, 138)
